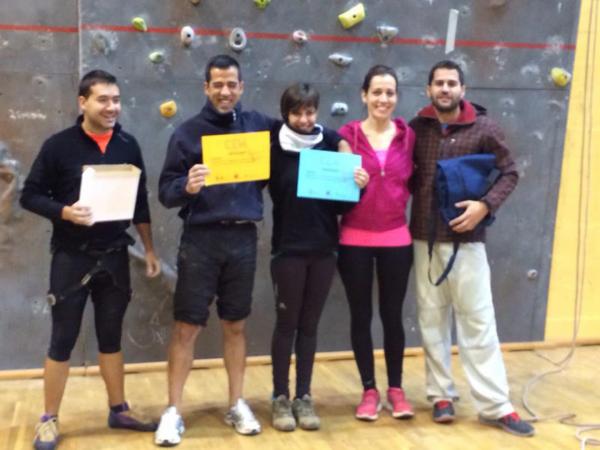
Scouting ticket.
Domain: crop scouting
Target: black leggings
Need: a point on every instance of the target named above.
(110, 291)
(356, 269)
(301, 285)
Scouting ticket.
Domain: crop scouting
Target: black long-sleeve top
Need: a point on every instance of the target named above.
(55, 180)
(301, 225)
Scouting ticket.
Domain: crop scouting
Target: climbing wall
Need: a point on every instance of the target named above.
(45, 49)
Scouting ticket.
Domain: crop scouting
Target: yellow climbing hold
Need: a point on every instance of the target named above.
(168, 109)
(353, 16)
(560, 76)
(139, 24)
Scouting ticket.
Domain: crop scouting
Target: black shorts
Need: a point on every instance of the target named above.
(215, 261)
(110, 291)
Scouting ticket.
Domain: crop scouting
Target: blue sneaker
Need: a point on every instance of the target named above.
(510, 423)
(118, 419)
(443, 412)
(46, 434)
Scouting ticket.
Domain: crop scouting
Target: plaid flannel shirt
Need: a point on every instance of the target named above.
(473, 132)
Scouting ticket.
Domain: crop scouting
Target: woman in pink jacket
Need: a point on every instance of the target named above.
(374, 239)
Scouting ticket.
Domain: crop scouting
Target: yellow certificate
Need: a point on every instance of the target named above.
(234, 158)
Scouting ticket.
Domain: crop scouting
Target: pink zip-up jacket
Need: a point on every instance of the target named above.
(383, 204)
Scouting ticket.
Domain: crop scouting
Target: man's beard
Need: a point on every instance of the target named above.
(446, 108)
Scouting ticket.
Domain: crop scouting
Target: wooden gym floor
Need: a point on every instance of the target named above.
(336, 390)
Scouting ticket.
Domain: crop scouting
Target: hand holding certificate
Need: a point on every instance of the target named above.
(328, 175)
(238, 157)
(109, 191)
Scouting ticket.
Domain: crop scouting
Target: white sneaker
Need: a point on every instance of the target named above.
(169, 429)
(241, 417)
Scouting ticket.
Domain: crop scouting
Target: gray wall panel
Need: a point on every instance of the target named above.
(39, 72)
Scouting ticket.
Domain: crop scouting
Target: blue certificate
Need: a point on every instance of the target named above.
(328, 175)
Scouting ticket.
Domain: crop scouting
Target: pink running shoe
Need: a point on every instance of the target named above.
(398, 405)
(369, 405)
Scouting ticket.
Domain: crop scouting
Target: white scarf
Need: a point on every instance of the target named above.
(293, 141)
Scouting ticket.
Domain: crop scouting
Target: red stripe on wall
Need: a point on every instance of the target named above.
(285, 36)
(39, 28)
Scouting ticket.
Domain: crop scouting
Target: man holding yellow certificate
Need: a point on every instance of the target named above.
(213, 161)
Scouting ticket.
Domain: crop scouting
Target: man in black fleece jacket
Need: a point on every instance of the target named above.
(81, 248)
(217, 254)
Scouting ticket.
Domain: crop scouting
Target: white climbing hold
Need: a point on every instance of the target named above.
(451, 32)
(238, 39)
(339, 109)
(187, 35)
(299, 37)
(386, 33)
(340, 59)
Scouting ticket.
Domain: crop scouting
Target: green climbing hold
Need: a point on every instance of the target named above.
(262, 4)
(157, 57)
(139, 24)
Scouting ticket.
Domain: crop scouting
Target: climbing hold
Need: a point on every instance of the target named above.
(299, 37)
(498, 3)
(187, 35)
(560, 76)
(156, 57)
(101, 45)
(353, 16)
(262, 4)
(195, 2)
(532, 274)
(451, 31)
(340, 59)
(238, 39)
(339, 109)
(386, 33)
(139, 24)
(168, 109)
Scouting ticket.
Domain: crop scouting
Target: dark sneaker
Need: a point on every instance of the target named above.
(46, 434)
(304, 411)
(510, 423)
(443, 412)
(124, 418)
(281, 414)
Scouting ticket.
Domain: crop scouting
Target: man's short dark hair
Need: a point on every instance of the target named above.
(94, 77)
(450, 65)
(296, 96)
(378, 70)
(221, 62)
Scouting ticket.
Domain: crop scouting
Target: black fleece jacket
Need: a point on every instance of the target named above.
(55, 179)
(301, 225)
(234, 201)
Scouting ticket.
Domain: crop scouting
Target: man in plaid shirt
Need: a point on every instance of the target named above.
(450, 127)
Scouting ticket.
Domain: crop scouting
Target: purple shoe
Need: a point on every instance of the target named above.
(117, 419)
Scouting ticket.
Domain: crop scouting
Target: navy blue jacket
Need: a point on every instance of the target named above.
(234, 201)
(55, 180)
